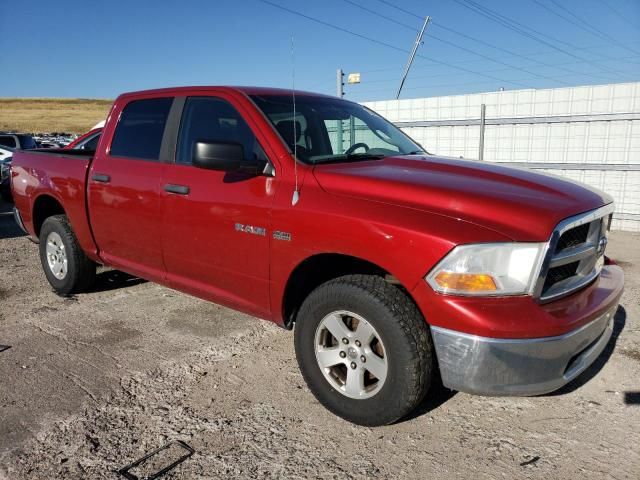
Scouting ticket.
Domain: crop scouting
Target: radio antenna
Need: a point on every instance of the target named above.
(296, 191)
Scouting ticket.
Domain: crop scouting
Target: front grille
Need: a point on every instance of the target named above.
(558, 274)
(573, 237)
(574, 257)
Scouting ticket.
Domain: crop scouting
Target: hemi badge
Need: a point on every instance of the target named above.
(277, 235)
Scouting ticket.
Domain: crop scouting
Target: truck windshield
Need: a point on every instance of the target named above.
(328, 130)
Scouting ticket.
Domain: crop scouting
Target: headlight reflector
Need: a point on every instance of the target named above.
(488, 269)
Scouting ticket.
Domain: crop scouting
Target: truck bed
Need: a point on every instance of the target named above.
(57, 177)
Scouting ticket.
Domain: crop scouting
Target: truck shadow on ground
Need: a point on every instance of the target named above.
(437, 396)
(619, 321)
(114, 280)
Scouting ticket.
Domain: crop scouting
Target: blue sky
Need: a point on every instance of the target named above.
(100, 49)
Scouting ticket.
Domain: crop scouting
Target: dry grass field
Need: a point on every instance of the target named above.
(35, 115)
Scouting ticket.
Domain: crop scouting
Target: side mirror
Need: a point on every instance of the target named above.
(225, 156)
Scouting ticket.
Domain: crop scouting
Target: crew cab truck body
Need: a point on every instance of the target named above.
(389, 261)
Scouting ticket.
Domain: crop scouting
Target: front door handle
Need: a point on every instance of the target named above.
(100, 177)
(177, 189)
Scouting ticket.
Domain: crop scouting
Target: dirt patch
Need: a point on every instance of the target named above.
(115, 332)
(205, 320)
(632, 353)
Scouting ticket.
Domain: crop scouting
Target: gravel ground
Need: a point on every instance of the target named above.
(93, 382)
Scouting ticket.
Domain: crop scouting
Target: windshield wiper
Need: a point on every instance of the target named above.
(351, 157)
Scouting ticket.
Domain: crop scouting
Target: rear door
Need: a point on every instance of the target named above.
(124, 189)
(216, 230)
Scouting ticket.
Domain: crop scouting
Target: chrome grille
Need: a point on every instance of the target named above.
(575, 254)
(573, 237)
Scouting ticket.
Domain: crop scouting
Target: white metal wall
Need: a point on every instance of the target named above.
(588, 127)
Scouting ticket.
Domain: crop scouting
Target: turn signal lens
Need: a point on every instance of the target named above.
(469, 282)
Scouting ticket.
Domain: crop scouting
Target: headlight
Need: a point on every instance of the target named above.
(488, 269)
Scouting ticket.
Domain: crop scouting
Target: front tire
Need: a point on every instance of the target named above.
(65, 265)
(364, 349)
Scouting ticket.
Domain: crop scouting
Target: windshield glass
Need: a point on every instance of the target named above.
(326, 130)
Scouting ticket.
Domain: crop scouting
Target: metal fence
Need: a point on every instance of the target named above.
(589, 134)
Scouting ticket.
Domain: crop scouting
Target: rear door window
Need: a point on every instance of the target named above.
(140, 129)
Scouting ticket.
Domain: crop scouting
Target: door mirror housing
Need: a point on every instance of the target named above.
(224, 156)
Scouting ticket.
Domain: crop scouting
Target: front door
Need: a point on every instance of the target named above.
(216, 225)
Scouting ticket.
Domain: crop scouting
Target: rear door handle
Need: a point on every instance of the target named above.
(100, 177)
(177, 189)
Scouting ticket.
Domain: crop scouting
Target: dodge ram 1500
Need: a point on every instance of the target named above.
(390, 263)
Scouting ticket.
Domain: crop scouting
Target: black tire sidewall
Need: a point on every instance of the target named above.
(390, 403)
(66, 285)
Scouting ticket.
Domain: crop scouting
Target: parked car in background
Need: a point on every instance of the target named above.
(88, 141)
(389, 262)
(6, 155)
(5, 179)
(47, 145)
(6, 152)
(20, 141)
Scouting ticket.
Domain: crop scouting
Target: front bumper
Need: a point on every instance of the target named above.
(531, 366)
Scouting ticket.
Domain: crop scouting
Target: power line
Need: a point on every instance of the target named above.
(421, 87)
(590, 28)
(525, 30)
(516, 26)
(446, 74)
(582, 24)
(486, 57)
(400, 9)
(330, 25)
(617, 13)
(509, 52)
(373, 12)
(525, 57)
(447, 42)
(379, 42)
(627, 59)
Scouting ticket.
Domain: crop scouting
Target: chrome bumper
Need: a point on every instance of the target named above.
(494, 366)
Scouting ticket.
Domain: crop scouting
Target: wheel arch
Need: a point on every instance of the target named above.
(44, 207)
(323, 267)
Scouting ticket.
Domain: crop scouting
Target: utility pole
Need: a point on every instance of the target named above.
(340, 83)
(413, 54)
(340, 94)
(483, 114)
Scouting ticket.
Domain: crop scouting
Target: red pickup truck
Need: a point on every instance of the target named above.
(314, 212)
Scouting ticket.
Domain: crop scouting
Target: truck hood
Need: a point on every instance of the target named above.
(519, 203)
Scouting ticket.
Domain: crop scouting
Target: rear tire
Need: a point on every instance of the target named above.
(65, 265)
(394, 340)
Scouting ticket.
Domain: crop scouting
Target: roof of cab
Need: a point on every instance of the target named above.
(247, 90)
